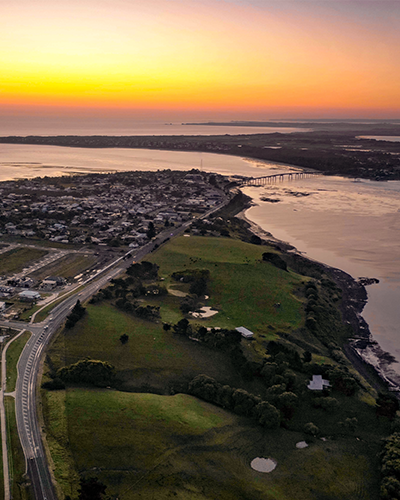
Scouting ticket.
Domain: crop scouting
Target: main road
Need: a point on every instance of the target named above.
(29, 362)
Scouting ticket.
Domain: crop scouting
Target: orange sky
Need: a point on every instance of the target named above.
(244, 57)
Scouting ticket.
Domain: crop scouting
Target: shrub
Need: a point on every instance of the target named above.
(327, 404)
(275, 260)
(311, 429)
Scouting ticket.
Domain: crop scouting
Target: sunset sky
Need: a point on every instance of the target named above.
(245, 59)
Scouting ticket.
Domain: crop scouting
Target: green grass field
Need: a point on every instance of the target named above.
(15, 453)
(152, 358)
(13, 354)
(16, 259)
(159, 446)
(243, 288)
(150, 446)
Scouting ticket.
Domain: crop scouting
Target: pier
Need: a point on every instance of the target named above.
(270, 179)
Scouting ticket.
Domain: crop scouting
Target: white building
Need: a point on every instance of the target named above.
(29, 296)
(318, 383)
(247, 334)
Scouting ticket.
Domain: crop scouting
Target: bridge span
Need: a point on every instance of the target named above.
(270, 179)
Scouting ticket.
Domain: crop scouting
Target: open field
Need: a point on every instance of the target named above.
(151, 358)
(37, 241)
(158, 359)
(15, 453)
(182, 447)
(242, 287)
(16, 259)
(67, 266)
(171, 444)
(13, 354)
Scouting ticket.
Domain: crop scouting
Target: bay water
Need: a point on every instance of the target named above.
(351, 225)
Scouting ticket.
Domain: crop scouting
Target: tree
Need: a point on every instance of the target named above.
(124, 338)
(327, 404)
(181, 327)
(387, 405)
(255, 240)
(91, 489)
(244, 402)
(151, 231)
(390, 488)
(268, 416)
(311, 429)
(76, 314)
(275, 260)
(287, 402)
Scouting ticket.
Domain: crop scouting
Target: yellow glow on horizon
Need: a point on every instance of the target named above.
(165, 55)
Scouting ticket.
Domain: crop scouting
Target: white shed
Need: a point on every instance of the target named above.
(247, 334)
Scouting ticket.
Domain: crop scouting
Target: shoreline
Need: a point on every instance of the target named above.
(354, 299)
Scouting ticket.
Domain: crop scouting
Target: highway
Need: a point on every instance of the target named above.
(29, 362)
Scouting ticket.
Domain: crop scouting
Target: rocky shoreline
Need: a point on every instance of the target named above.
(354, 298)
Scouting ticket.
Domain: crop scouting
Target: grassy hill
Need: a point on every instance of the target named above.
(147, 438)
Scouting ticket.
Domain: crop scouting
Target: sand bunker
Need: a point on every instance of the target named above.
(263, 464)
(177, 293)
(301, 444)
(204, 312)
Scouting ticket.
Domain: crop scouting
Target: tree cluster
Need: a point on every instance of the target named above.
(76, 314)
(339, 377)
(88, 371)
(239, 401)
(91, 489)
(148, 312)
(55, 384)
(215, 338)
(144, 270)
(390, 470)
(198, 279)
(387, 405)
(323, 318)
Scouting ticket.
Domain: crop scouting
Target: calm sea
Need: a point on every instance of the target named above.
(354, 226)
(85, 126)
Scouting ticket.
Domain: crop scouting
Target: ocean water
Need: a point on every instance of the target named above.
(25, 161)
(354, 226)
(22, 126)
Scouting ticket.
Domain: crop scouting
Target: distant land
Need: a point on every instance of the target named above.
(337, 148)
(323, 123)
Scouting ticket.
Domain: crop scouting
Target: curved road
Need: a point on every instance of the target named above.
(29, 362)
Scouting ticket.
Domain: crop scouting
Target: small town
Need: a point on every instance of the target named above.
(77, 224)
(114, 209)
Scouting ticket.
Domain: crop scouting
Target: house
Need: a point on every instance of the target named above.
(29, 296)
(247, 334)
(318, 383)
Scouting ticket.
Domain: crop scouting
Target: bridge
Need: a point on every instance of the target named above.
(270, 179)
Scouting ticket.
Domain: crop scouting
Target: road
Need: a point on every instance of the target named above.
(29, 362)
